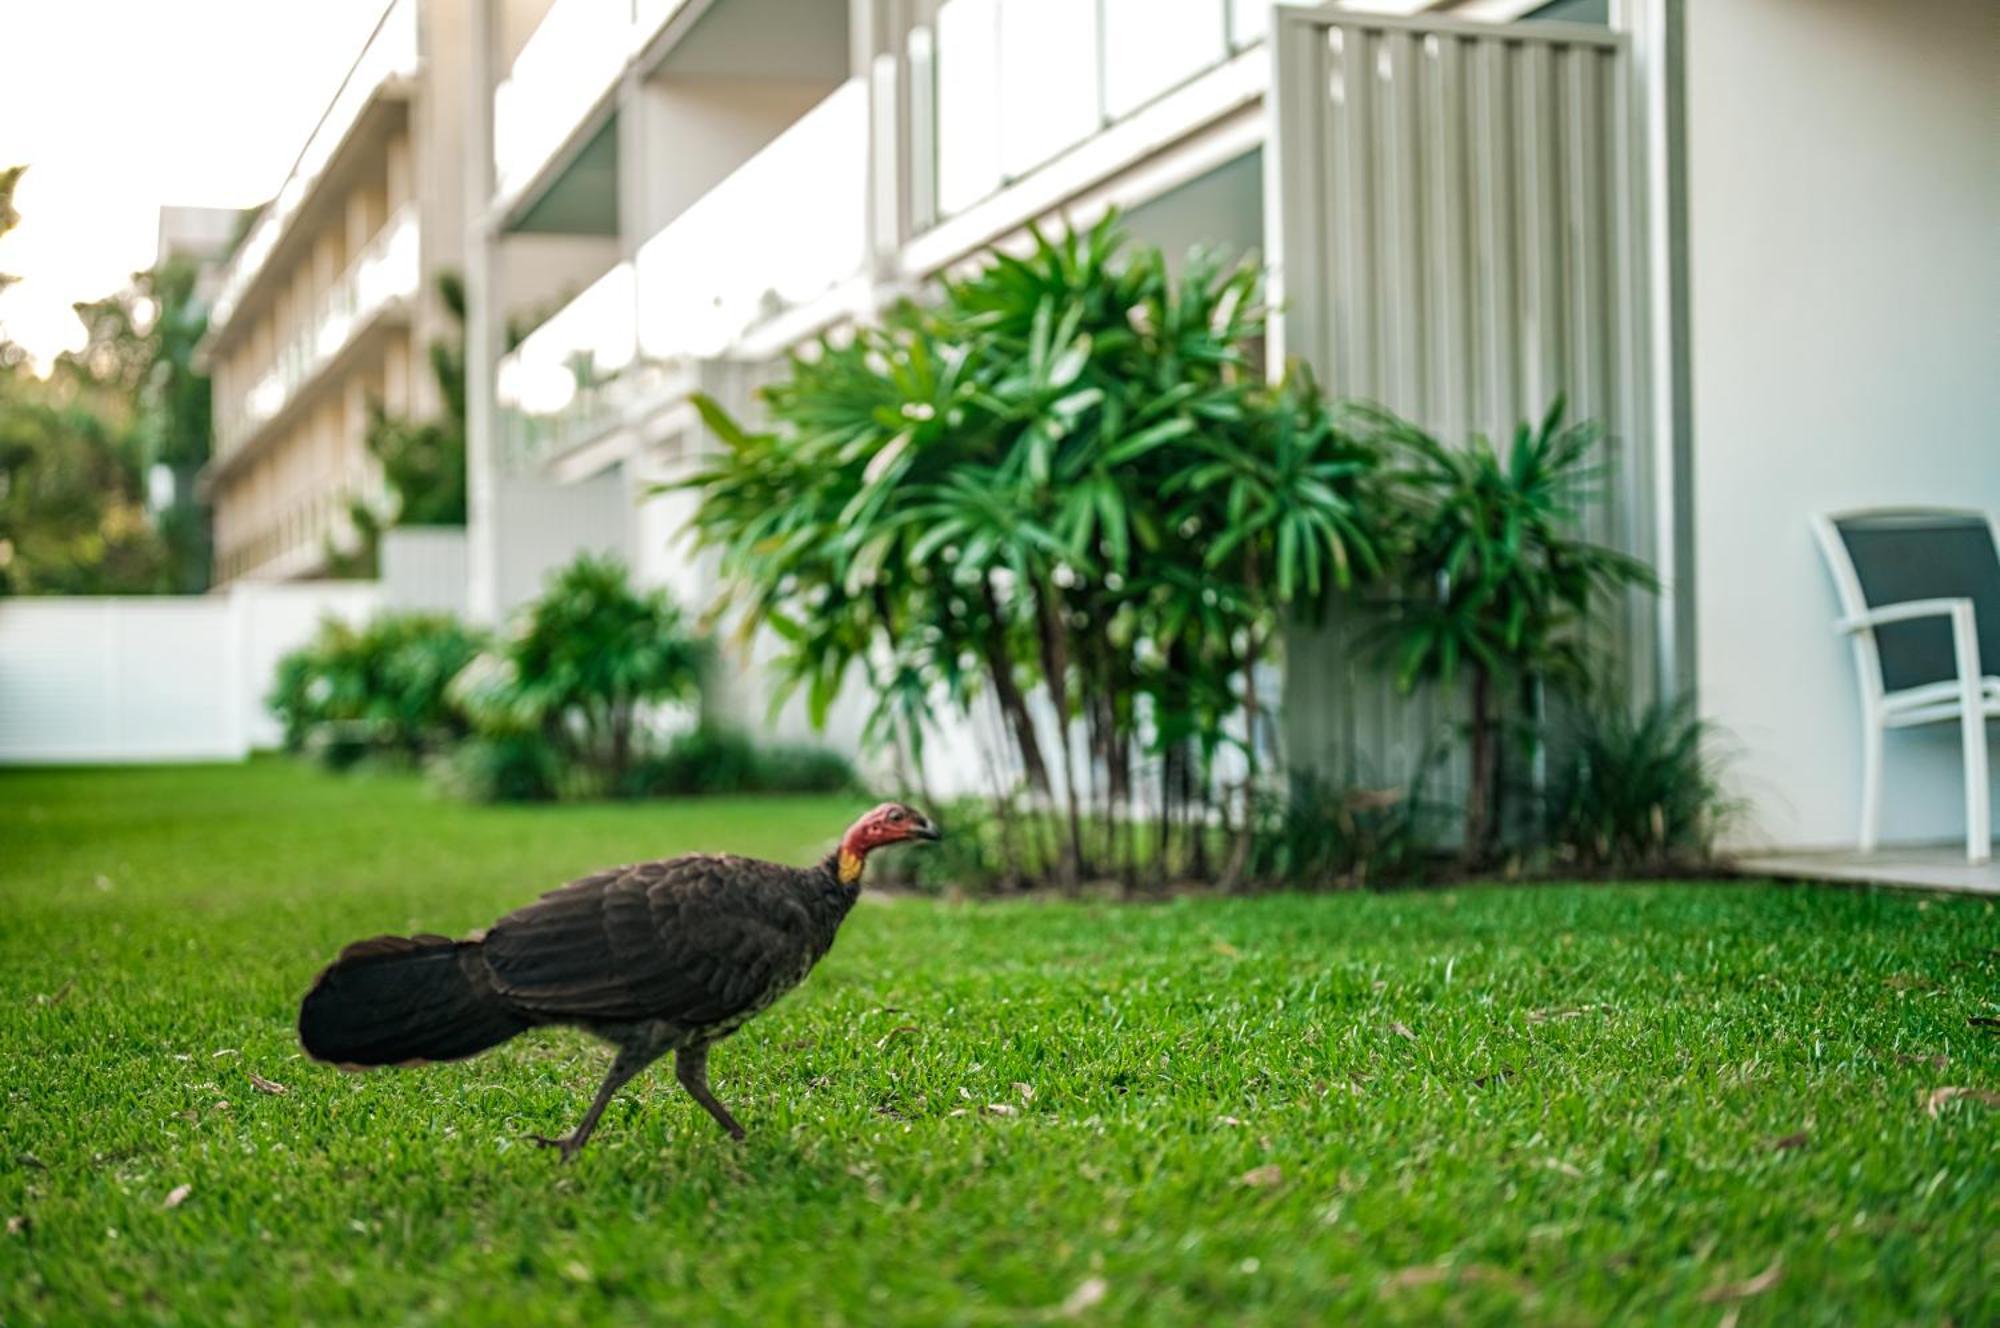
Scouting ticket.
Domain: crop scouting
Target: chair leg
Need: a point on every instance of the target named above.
(1978, 830)
(1871, 784)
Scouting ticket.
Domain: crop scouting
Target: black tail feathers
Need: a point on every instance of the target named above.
(394, 1000)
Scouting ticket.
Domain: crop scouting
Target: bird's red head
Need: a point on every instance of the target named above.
(891, 823)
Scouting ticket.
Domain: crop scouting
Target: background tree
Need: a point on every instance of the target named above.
(423, 462)
(72, 512)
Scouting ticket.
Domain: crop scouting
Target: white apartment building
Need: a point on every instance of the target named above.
(1753, 237)
(328, 303)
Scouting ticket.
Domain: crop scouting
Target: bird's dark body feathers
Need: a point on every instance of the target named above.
(698, 944)
(656, 957)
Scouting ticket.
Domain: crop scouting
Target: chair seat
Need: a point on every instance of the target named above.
(1936, 701)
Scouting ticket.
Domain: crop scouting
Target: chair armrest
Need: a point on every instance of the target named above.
(1904, 612)
(1964, 632)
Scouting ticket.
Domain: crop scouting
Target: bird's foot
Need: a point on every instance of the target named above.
(569, 1143)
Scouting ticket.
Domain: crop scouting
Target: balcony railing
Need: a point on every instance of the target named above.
(785, 228)
(574, 377)
(569, 61)
(384, 272)
(391, 53)
(1020, 82)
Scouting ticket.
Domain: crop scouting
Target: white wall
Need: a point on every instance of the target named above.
(154, 678)
(1844, 268)
(424, 569)
(544, 524)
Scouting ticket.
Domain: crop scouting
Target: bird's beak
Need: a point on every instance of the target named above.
(929, 831)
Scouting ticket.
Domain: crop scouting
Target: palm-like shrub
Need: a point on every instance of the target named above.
(1637, 792)
(584, 663)
(1498, 584)
(1066, 476)
(383, 687)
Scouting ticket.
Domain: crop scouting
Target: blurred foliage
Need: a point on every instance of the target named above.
(76, 446)
(423, 461)
(717, 760)
(378, 689)
(1637, 793)
(581, 668)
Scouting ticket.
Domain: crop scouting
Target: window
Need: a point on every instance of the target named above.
(1151, 45)
(1048, 79)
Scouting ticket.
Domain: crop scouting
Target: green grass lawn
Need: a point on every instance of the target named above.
(1570, 1104)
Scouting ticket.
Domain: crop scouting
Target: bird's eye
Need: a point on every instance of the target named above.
(896, 816)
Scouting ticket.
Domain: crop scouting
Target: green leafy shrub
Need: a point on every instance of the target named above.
(712, 760)
(382, 689)
(583, 666)
(1322, 833)
(508, 767)
(1064, 483)
(1637, 793)
(1496, 583)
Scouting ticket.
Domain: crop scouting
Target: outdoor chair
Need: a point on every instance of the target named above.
(1920, 598)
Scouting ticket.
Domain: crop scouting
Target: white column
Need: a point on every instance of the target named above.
(482, 328)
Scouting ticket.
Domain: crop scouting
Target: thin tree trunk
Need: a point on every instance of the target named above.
(1054, 637)
(1007, 692)
(1479, 790)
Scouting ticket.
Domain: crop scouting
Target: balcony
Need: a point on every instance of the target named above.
(378, 281)
(783, 230)
(1020, 83)
(389, 57)
(575, 377)
(568, 64)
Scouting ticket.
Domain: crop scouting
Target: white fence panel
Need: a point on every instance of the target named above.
(154, 678)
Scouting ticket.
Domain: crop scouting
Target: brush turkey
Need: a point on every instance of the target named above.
(657, 957)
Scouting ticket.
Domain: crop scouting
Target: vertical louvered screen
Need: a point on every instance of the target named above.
(1456, 211)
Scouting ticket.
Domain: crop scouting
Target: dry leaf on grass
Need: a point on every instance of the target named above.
(1262, 1178)
(1798, 1140)
(263, 1085)
(1942, 1097)
(1027, 1093)
(883, 1041)
(178, 1196)
(1557, 1164)
(1088, 1292)
(1755, 1286)
(1430, 1274)
(1402, 1030)
(1002, 1109)
(1935, 1062)
(16, 1224)
(1575, 1012)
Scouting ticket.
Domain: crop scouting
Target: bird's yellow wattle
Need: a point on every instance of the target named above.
(850, 866)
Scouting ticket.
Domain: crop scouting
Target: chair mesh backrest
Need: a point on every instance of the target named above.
(1901, 556)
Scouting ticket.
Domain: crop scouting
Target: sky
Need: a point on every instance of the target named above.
(120, 106)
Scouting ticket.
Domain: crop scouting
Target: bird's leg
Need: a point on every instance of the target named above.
(691, 1066)
(632, 1057)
